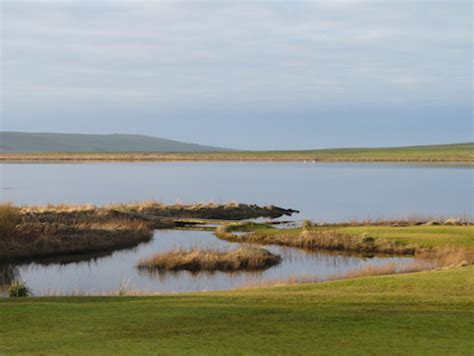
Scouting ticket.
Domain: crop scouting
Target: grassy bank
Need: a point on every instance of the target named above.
(451, 239)
(246, 259)
(435, 153)
(428, 313)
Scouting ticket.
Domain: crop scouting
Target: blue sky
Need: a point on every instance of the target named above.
(256, 75)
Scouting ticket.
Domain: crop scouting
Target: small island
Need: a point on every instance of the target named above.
(195, 260)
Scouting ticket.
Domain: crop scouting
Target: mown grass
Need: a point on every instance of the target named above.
(429, 313)
(463, 152)
(425, 236)
(195, 260)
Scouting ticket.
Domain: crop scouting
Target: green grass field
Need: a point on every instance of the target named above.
(421, 235)
(436, 153)
(424, 236)
(429, 313)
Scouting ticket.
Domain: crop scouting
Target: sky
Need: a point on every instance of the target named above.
(241, 74)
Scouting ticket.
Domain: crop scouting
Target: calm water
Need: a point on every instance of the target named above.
(323, 191)
(103, 274)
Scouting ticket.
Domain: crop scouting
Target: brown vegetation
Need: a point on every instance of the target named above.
(9, 218)
(324, 239)
(366, 271)
(211, 260)
(28, 232)
(159, 214)
(331, 238)
(38, 239)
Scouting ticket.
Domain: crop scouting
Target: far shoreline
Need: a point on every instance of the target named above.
(446, 153)
(130, 157)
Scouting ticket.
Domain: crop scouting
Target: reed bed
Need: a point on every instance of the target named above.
(29, 239)
(321, 239)
(41, 231)
(153, 209)
(247, 259)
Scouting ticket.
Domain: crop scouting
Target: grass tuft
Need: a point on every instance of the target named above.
(9, 218)
(211, 260)
(18, 289)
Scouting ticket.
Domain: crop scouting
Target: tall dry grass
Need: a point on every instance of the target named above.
(9, 219)
(211, 260)
(322, 239)
(366, 271)
(40, 239)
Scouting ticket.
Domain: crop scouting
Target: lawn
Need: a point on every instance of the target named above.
(424, 236)
(421, 313)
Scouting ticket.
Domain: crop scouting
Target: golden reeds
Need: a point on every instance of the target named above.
(211, 260)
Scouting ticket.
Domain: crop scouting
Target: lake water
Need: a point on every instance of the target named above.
(322, 191)
(95, 274)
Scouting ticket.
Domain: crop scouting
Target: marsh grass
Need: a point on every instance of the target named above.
(9, 219)
(418, 265)
(155, 209)
(447, 244)
(40, 239)
(211, 260)
(41, 231)
(329, 239)
(18, 289)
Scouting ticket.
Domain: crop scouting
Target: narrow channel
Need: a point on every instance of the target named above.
(95, 274)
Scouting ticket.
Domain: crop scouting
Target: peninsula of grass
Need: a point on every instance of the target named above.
(455, 153)
(242, 259)
(450, 240)
(425, 313)
(33, 232)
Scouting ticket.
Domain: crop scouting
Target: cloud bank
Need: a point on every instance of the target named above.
(162, 65)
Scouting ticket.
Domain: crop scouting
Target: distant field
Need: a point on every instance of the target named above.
(462, 153)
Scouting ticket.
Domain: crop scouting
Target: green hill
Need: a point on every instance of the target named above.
(58, 142)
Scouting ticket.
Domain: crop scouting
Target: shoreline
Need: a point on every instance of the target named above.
(447, 153)
(145, 159)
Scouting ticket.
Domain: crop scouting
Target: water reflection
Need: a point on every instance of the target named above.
(110, 271)
(8, 275)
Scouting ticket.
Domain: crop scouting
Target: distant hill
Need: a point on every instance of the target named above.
(58, 142)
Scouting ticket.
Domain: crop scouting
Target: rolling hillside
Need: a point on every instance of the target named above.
(11, 142)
